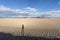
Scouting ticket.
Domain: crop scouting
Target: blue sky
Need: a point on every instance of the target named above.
(29, 8)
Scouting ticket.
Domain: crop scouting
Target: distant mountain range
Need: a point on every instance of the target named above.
(29, 17)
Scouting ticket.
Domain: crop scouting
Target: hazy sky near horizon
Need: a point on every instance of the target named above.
(30, 8)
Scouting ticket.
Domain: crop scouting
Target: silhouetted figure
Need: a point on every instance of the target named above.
(22, 31)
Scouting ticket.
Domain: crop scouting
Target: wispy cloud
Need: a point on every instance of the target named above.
(26, 12)
(8, 12)
(52, 14)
